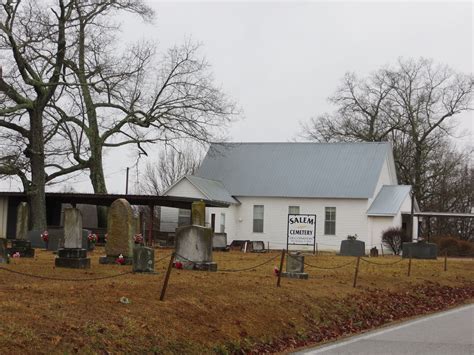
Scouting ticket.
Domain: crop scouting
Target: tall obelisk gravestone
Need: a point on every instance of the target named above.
(73, 255)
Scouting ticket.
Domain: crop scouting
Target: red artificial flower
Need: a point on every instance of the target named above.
(45, 236)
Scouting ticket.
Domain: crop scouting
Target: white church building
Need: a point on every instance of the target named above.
(352, 188)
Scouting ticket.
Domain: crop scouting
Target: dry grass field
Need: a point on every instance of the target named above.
(221, 312)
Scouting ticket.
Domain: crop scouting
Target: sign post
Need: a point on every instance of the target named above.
(301, 230)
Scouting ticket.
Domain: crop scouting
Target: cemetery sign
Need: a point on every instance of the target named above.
(301, 230)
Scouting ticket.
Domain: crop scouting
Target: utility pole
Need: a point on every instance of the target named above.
(126, 182)
(412, 212)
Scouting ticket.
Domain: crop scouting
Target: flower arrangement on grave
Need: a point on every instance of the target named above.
(352, 237)
(92, 238)
(16, 255)
(45, 236)
(120, 260)
(276, 271)
(178, 265)
(138, 238)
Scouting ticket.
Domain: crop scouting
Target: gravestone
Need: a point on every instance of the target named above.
(3, 251)
(22, 220)
(194, 248)
(420, 250)
(219, 242)
(257, 246)
(120, 231)
(374, 252)
(21, 245)
(72, 255)
(352, 248)
(143, 259)
(295, 267)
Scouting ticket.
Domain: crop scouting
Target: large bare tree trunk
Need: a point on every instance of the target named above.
(36, 190)
(98, 181)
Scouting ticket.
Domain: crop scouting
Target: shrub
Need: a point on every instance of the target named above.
(393, 238)
(454, 246)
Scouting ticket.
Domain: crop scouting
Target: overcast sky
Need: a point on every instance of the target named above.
(280, 61)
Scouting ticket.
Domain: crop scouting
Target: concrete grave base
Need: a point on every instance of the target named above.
(73, 263)
(204, 266)
(113, 260)
(295, 275)
(72, 253)
(23, 247)
(74, 258)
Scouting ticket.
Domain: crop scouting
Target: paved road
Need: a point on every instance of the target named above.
(446, 333)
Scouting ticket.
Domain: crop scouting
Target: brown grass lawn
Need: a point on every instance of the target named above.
(203, 312)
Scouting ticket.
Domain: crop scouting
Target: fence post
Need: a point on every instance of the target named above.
(381, 248)
(280, 270)
(356, 272)
(167, 277)
(409, 265)
(446, 260)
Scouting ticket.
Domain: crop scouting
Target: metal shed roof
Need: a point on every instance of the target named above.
(107, 199)
(213, 190)
(325, 170)
(389, 200)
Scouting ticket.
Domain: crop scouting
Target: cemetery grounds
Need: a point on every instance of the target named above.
(235, 311)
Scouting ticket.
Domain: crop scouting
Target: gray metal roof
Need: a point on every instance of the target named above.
(331, 170)
(213, 190)
(389, 200)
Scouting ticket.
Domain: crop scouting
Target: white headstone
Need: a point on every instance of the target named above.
(72, 228)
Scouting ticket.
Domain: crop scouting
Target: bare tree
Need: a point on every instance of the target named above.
(118, 98)
(83, 94)
(172, 164)
(412, 105)
(364, 112)
(33, 40)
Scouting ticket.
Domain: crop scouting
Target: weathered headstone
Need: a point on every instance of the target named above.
(194, 248)
(22, 220)
(374, 252)
(72, 255)
(120, 231)
(295, 267)
(420, 250)
(143, 259)
(219, 241)
(352, 248)
(257, 246)
(198, 213)
(3, 251)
